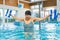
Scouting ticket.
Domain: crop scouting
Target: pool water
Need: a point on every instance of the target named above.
(47, 31)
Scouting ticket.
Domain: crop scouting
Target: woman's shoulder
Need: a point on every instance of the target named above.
(22, 19)
(33, 18)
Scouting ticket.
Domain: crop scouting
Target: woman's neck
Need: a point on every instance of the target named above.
(27, 19)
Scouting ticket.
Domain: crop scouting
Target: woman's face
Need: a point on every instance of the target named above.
(27, 16)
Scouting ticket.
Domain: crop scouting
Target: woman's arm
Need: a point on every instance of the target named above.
(20, 19)
(39, 19)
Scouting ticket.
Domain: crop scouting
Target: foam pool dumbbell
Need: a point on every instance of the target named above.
(8, 13)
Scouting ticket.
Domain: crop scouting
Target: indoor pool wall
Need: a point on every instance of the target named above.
(47, 31)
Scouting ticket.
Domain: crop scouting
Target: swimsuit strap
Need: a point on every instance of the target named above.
(29, 23)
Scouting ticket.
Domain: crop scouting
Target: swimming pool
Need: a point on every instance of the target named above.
(47, 31)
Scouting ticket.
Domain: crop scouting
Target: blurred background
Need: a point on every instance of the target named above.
(11, 29)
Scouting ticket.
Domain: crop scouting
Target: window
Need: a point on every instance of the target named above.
(35, 13)
(35, 10)
(1, 16)
(34, 0)
(1, 12)
(34, 7)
